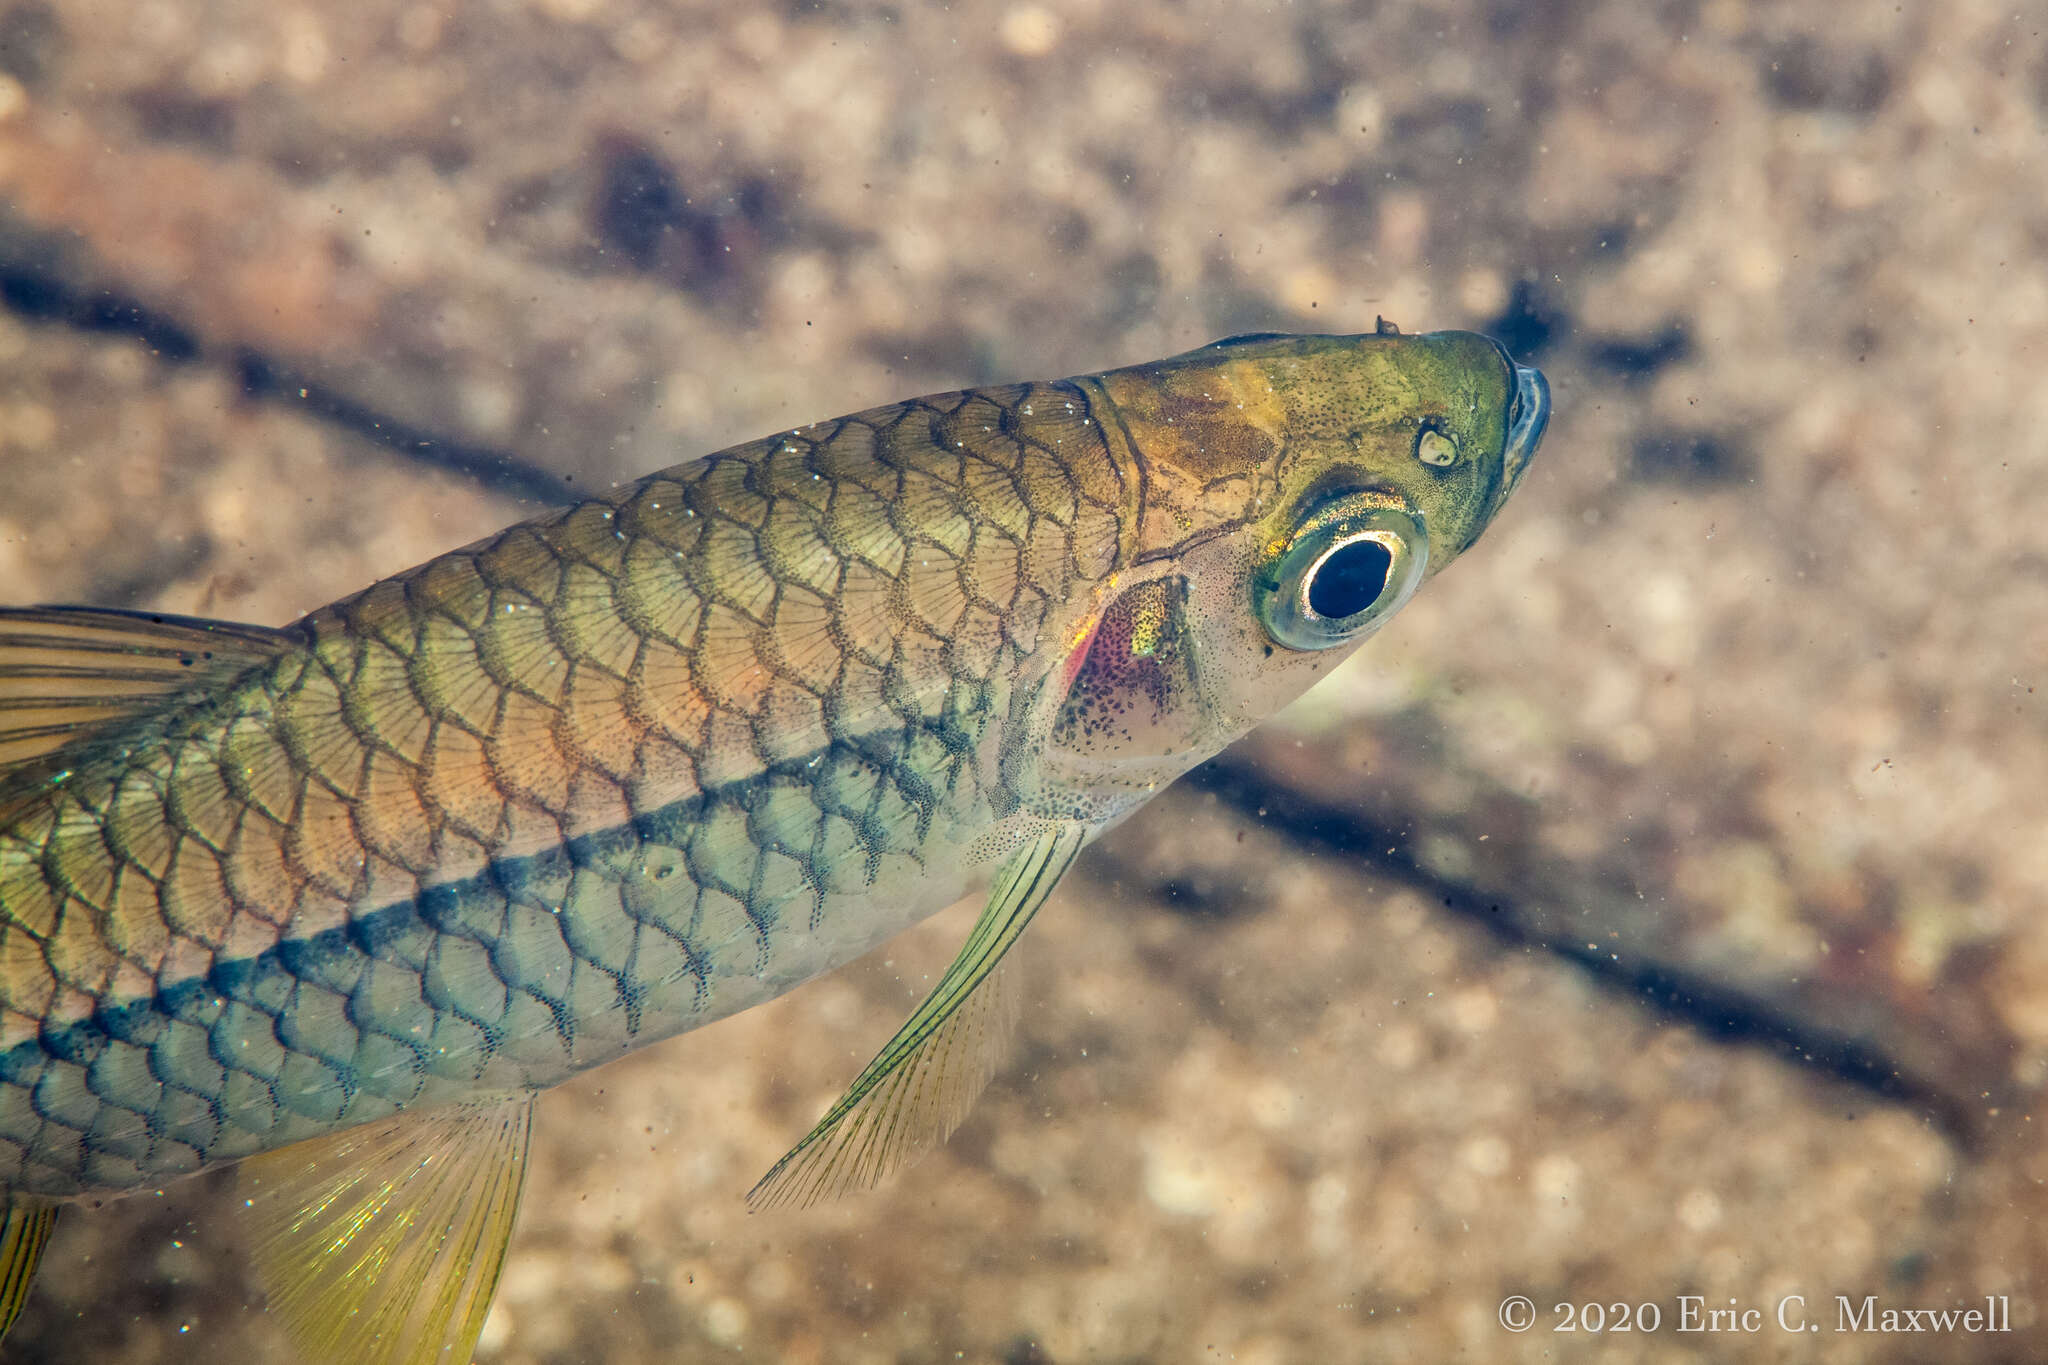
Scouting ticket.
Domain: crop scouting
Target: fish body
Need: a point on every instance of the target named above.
(340, 894)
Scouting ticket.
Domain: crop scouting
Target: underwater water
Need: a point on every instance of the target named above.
(1650, 919)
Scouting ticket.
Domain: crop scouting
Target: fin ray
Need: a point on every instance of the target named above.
(68, 671)
(24, 1232)
(68, 674)
(924, 1080)
(382, 1245)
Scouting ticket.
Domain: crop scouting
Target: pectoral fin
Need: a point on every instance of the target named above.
(918, 1088)
(381, 1245)
(23, 1234)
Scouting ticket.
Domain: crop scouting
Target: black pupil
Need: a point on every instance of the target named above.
(1350, 580)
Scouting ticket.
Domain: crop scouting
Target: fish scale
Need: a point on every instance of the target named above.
(295, 953)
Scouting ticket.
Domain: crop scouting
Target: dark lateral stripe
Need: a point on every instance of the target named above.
(333, 958)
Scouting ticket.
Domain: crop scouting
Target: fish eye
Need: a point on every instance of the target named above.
(1351, 564)
(1349, 578)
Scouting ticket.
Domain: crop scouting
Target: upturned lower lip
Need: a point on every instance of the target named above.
(1532, 403)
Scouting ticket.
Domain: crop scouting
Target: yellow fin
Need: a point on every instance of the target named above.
(922, 1083)
(23, 1234)
(67, 672)
(382, 1244)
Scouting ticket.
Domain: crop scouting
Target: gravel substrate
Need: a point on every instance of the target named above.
(1654, 911)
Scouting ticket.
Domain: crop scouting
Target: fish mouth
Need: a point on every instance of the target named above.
(1528, 415)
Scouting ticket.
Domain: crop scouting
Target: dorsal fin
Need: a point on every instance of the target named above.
(69, 673)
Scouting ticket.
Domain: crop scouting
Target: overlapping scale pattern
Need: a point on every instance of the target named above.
(607, 775)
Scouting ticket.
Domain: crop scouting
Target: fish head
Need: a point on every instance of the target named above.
(1294, 493)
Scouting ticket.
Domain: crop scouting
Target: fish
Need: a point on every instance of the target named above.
(335, 901)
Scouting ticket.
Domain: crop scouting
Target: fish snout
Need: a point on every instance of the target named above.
(1528, 415)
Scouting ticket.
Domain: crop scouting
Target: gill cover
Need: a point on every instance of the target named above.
(1131, 685)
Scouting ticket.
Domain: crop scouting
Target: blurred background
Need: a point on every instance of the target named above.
(1655, 910)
